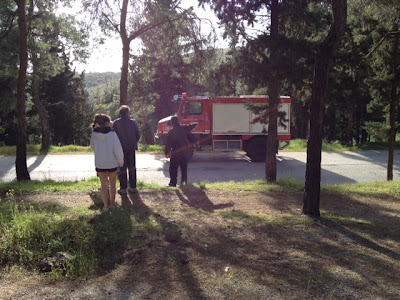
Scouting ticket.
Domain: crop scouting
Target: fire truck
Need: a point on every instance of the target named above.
(227, 124)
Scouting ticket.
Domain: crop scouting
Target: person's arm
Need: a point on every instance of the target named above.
(168, 145)
(137, 132)
(118, 152)
(92, 142)
(192, 126)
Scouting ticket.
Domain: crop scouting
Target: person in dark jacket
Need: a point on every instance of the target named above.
(129, 135)
(179, 143)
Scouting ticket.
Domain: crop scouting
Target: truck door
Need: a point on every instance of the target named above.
(196, 111)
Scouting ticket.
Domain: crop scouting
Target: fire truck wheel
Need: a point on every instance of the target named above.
(256, 150)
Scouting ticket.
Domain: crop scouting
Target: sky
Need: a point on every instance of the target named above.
(108, 56)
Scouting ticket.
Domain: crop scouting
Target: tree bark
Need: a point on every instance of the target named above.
(392, 107)
(125, 55)
(273, 90)
(323, 62)
(20, 161)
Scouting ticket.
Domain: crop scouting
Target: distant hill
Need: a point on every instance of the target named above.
(93, 80)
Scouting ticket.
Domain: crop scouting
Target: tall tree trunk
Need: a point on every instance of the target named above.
(273, 91)
(20, 162)
(124, 73)
(322, 67)
(392, 106)
(123, 85)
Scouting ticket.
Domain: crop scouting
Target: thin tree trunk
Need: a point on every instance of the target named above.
(123, 85)
(392, 109)
(20, 162)
(327, 49)
(124, 73)
(274, 88)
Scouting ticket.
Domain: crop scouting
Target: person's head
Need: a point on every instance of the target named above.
(101, 120)
(174, 121)
(124, 111)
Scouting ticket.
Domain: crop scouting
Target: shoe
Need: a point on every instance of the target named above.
(122, 191)
(132, 190)
(172, 185)
(115, 206)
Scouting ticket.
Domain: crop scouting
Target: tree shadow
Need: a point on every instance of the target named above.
(39, 159)
(357, 238)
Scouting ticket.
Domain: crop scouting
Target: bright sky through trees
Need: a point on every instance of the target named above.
(107, 57)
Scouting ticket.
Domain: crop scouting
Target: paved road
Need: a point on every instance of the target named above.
(337, 167)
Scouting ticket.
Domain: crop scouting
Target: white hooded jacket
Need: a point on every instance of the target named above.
(107, 148)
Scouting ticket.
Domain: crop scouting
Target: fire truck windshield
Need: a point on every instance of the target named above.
(192, 108)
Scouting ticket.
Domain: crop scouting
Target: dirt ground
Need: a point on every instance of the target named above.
(239, 245)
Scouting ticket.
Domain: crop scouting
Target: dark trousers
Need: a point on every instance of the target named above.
(175, 162)
(129, 167)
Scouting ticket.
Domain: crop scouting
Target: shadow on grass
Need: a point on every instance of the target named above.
(112, 232)
(197, 198)
(172, 256)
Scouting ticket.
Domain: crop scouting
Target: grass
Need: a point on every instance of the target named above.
(366, 189)
(68, 149)
(33, 186)
(282, 185)
(300, 145)
(296, 145)
(30, 234)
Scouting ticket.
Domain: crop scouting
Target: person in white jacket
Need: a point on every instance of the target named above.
(108, 157)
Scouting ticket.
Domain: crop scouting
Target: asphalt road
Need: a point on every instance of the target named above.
(337, 167)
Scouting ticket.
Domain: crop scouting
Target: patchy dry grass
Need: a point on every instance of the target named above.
(195, 243)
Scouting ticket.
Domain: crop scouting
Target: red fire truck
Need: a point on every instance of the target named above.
(226, 123)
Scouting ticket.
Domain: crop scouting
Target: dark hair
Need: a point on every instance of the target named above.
(101, 120)
(174, 121)
(124, 111)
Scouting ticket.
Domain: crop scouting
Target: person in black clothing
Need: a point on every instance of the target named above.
(179, 143)
(129, 135)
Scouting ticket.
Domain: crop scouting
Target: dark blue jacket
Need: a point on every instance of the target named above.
(180, 140)
(128, 133)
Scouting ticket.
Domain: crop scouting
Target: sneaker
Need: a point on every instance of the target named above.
(115, 205)
(172, 185)
(122, 191)
(132, 190)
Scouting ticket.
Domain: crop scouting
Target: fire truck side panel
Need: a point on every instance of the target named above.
(230, 119)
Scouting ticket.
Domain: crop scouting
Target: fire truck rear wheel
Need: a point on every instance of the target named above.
(256, 150)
